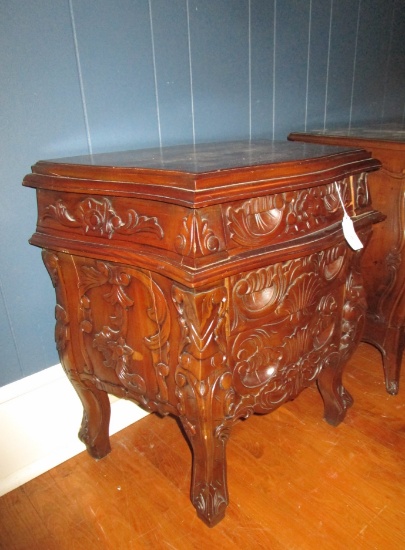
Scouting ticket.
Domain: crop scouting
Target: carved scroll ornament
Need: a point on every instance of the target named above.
(202, 358)
(98, 217)
(362, 195)
(62, 334)
(269, 372)
(195, 237)
(299, 304)
(354, 309)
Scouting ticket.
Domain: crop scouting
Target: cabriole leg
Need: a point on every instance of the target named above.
(392, 358)
(335, 397)
(205, 393)
(209, 492)
(94, 430)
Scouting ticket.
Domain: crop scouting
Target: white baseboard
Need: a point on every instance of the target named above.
(40, 417)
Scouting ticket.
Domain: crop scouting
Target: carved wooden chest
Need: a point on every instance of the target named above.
(384, 261)
(208, 282)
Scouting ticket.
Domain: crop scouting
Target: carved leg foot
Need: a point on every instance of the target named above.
(205, 393)
(392, 358)
(335, 397)
(94, 430)
(209, 492)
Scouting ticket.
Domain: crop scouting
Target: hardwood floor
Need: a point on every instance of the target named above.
(295, 483)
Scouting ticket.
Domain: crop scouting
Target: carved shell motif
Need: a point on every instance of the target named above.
(294, 309)
(260, 221)
(284, 288)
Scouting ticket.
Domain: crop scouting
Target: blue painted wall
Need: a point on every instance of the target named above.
(81, 76)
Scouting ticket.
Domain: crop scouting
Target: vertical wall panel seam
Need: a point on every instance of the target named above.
(250, 66)
(155, 73)
(10, 324)
(387, 63)
(190, 70)
(403, 91)
(274, 66)
(327, 65)
(80, 74)
(403, 116)
(354, 65)
(308, 63)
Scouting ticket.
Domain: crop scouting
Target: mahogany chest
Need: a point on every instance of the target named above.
(384, 260)
(209, 282)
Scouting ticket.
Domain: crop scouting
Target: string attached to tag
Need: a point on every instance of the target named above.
(347, 225)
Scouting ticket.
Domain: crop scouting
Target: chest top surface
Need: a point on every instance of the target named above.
(202, 174)
(385, 136)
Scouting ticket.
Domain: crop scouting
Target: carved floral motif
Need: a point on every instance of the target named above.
(51, 262)
(98, 217)
(111, 340)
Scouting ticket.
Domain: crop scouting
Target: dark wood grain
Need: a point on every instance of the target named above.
(200, 175)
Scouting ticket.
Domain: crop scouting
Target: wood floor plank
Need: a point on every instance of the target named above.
(295, 483)
(63, 521)
(20, 524)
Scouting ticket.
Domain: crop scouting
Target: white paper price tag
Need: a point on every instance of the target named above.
(350, 233)
(347, 225)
